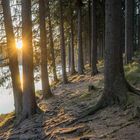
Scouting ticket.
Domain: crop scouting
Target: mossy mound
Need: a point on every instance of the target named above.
(132, 72)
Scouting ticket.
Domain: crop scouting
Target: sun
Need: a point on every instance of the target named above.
(19, 44)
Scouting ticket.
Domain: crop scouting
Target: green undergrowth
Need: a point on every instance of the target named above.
(132, 72)
(5, 119)
(38, 93)
(100, 63)
(137, 54)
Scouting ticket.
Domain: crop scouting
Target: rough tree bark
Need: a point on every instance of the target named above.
(13, 57)
(115, 90)
(80, 47)
(139, 30)
(52, 44)
(89, 16)
(129, 30)
(94, 70)
(72, 67)
(62, 44)
(103, 31)
(85, 48)
(69, 56)
(29, 101)
(44, 64)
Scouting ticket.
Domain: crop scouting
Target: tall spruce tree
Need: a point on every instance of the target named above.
(13, 57)
(51, 42)
(72, 49)
(29, 101)
(129, 28)
(62, 44)
(44, 65)
(80, 47)
(94, 70)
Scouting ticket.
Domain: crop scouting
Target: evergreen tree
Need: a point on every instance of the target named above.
(13, 57)
(44, 65)
(51, 43)
(80, 46)
(62, 44)
(129, 28)
(94, 70)
(29, 101)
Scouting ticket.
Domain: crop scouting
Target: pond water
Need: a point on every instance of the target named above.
(6, 94)
(6, 100)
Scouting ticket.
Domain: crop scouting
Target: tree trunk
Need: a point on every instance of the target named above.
(115, 90)
(69, 56)
(44, 66)
(89, 11)
(139, 30)
(129, 30)
(52, 46)
(94, 70)
(29, 101)
(80, 47)
(62, 44)
(85, 48)
(13, 57)
(72, 67)
(103, 34)
(100, 47)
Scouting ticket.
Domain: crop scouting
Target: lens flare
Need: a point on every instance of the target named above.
(19, 44)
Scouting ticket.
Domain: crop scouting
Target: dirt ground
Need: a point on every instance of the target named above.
(69, 103)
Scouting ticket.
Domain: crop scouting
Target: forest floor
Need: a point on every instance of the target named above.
(72, 100)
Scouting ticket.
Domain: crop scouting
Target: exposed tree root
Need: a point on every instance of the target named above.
(90, 111)
(25, 116)
(19, 120)
(114, 131)
(133, 89)
(104, 102)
